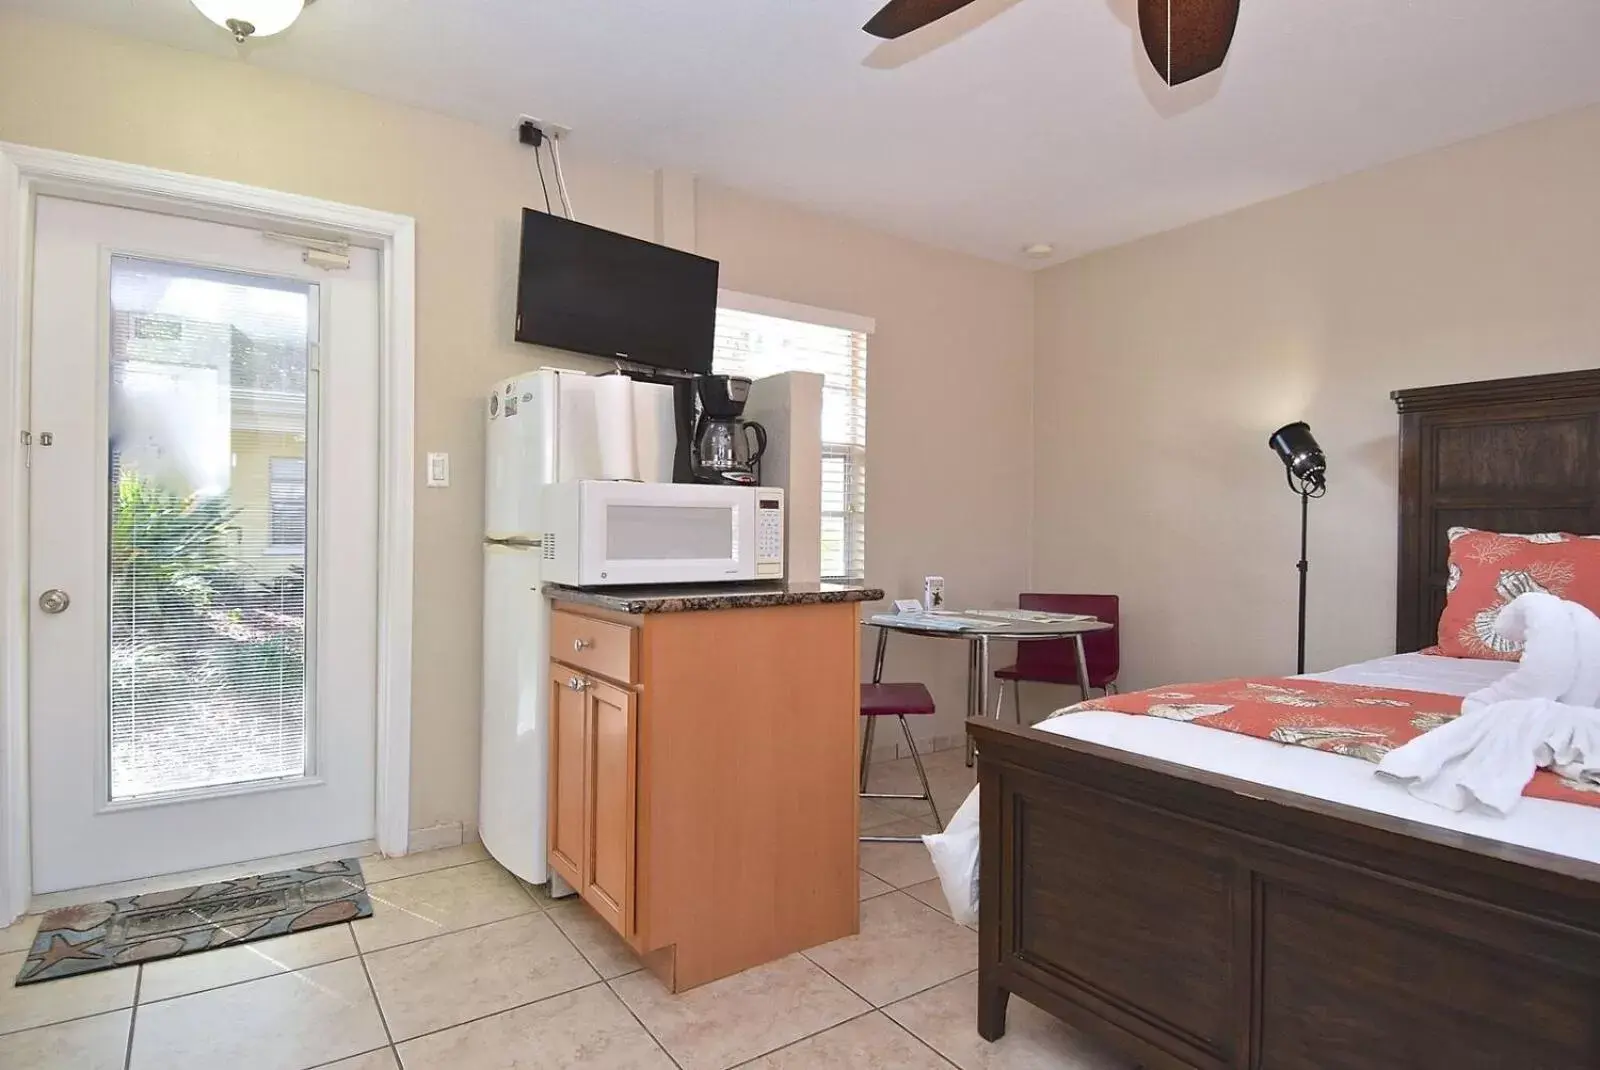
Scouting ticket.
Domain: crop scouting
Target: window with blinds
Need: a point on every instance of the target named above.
(756, 344)
(286, 501)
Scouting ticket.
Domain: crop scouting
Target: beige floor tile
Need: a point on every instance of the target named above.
(450, 979)
(438, 902)
(597, 941)
(382, 1059)
(18, 936)
(730, 1021)
(899, 864)
(26, 1006)
(871, 1042)
(930, 893)
(287, 1022)
(903, 947)
(378, 868)
(874, 814)
(871, 886)
(947, 1019)
(98, 1043)
(167, 978)
(588, 1029)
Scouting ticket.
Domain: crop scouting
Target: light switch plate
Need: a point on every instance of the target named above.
(438, 469)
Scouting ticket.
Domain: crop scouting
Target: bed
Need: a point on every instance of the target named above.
(1201, 907)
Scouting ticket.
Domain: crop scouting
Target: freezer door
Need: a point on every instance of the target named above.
(514, 768)
(521, 454)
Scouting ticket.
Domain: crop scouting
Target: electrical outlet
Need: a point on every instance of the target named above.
(438, 469)
(553, 131)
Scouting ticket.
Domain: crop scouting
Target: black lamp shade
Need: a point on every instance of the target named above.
(1295, 446)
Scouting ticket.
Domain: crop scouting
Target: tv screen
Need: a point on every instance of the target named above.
(593, 291)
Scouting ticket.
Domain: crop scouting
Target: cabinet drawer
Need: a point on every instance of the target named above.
(602, 647)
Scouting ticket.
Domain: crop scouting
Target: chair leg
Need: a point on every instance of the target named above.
(916, 756)
(1000, 703)
(1016, 699)
(866, 750)
(1111, 688)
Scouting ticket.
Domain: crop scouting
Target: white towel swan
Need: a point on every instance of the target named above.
(1541, 715)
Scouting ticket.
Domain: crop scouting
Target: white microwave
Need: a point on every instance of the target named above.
(603, 534)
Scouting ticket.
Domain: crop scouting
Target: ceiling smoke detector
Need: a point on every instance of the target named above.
(251, 18)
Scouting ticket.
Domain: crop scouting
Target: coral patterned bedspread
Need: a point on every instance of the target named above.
(1349, 719)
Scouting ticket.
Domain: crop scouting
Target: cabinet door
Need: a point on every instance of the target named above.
(613, 779)
(569, 722)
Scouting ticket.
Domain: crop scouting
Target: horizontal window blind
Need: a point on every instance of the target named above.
(286, 492)
(756, 345)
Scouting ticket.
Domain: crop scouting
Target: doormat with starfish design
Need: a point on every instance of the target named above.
(160, 925)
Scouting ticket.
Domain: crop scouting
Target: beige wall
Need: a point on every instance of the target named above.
(1164, 364)
(950, 368)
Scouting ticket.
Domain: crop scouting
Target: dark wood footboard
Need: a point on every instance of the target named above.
(1194, 921)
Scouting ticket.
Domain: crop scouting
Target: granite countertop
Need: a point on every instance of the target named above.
(710, 596)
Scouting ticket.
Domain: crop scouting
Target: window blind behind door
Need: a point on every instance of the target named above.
(755, 346)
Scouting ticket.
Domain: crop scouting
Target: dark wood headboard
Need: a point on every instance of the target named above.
(1517, 455)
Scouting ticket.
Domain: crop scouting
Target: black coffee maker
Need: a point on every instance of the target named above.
(721, 447)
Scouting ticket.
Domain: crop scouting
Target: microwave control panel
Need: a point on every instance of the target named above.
(769, 534)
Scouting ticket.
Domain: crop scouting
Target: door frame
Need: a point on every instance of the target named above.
(27, 173)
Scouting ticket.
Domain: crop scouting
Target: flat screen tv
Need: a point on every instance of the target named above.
(594, 291)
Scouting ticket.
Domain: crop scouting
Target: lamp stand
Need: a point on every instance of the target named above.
(1304, 566)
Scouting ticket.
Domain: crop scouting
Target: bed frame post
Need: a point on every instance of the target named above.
(994, 815)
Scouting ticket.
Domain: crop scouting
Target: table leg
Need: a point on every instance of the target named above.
(877, 661)
(972, 698)
(983, 676)
(1083, 665)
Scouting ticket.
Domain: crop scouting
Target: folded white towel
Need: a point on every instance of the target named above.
(1486, 756)
(1560, 656)
(1541, 715)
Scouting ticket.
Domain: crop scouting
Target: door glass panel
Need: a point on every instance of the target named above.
(210, 521)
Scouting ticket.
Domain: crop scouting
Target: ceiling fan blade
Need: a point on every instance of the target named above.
(900, 17)
(1187, 38)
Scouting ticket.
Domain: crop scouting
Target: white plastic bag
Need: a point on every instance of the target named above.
(955, 859)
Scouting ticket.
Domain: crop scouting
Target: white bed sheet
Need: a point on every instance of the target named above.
(1543, 824)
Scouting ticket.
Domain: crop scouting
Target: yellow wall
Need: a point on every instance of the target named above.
(953, 352)
(1163, 366)
(252, 455)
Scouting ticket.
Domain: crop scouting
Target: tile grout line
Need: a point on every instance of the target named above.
(613, 992)
(383, 1019)
(335, 1062)
(869, 1012)
(495, 1014)
(133, 1018)
(937, 1054)
(437, 869)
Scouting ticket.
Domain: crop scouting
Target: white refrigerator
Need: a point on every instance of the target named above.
(542, 427)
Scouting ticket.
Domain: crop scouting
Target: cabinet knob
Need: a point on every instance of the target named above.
(578, 683)
(581, 645)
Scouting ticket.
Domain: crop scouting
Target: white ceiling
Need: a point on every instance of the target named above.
(1015, 122)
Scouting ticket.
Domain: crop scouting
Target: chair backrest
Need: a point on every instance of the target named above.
(1054, 658)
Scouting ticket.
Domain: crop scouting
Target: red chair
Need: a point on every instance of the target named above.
(1053, 661)
(879, 699)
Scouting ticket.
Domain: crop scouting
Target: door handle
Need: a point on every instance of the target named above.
(55, 600)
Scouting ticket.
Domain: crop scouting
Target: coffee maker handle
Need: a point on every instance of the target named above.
(761, 440)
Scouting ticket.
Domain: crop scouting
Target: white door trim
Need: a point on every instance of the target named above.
(26, 173)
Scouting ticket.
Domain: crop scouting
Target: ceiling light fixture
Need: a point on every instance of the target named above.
(251, 18)
(1038, 251)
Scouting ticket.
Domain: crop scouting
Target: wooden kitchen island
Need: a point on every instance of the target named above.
(703, 768)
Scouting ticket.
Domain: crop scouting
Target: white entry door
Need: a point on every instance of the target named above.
(203, 546)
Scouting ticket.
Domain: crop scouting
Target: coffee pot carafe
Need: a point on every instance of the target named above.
(727, 449)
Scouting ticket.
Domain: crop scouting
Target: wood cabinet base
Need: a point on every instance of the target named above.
(737, 744)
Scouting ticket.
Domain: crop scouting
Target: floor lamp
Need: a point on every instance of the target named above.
(1306, 469)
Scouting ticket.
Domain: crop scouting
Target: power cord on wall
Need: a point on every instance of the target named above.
(529, 133)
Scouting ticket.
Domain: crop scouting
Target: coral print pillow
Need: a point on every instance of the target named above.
(1488, 569)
